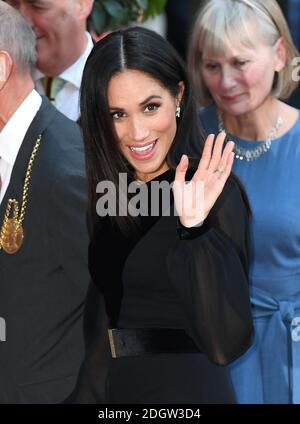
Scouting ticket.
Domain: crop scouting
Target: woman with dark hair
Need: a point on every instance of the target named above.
(175, 290)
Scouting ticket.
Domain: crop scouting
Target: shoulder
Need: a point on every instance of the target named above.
(67, 132)
(56, 128)
(290, 120)
(62, 147)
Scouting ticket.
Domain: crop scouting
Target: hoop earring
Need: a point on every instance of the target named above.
(178, 111)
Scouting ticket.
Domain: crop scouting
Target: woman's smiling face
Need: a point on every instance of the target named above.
(144, 116)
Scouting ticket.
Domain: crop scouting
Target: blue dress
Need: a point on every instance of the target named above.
(270, 371)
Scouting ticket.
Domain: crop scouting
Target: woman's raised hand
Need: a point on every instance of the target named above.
(194, 199)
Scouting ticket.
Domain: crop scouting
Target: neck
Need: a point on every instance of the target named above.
(15, 91)
(254, 125)
(151, 176)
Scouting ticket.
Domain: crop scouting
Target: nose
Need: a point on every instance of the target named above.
(138, 130)
(228, 80)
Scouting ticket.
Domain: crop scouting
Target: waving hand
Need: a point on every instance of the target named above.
(194, 199)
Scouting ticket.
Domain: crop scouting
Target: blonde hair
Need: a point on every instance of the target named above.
(227, 19)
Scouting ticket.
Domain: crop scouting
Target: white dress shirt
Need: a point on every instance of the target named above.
(67, 99)
(12, 135)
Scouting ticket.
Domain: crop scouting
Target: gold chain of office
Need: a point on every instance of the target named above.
(12, 234)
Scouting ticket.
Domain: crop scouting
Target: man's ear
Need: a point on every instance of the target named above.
(84, 8)
(6, 65)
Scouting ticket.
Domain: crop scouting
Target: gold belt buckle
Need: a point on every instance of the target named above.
(112, 343)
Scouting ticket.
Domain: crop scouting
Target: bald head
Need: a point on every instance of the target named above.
(17, 37)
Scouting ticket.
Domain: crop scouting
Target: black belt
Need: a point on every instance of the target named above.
(134, 342)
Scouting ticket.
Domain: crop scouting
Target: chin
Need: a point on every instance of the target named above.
(146, 170)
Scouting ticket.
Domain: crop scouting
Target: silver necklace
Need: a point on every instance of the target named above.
(253, 154)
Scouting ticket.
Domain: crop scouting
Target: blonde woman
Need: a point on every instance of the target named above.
(242, 62)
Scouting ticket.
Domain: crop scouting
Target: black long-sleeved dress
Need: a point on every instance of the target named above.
(169, 277)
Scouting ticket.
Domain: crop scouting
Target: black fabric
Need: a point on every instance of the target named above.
(43, 286)
(198, 284)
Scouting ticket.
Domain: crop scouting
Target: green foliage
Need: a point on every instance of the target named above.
(112, 14)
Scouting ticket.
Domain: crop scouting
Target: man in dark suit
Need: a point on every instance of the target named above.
(43, 236)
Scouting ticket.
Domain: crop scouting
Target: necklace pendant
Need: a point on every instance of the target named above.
(12, 236)
(253, 154)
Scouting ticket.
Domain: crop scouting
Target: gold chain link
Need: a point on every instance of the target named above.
(27, 178)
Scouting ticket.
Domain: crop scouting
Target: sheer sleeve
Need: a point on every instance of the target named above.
(208, 268)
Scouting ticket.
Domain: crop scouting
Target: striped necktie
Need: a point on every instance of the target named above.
(52, 87)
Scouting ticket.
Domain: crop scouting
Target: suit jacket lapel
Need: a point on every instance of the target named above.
(42, 119)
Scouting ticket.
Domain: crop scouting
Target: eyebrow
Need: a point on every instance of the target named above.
(141, 104)
(215, 59)
(150, 98)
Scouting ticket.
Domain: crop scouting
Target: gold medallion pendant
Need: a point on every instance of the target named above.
(11, 233)
(12, 236)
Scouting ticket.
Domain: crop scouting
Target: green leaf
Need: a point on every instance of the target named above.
(113, 8)
(111, 14)
(115, 23)
(99, 18)
(155, 7)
